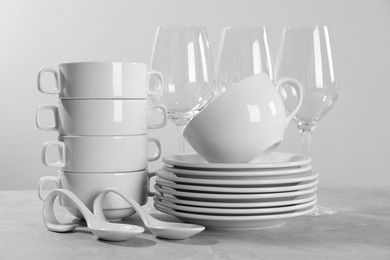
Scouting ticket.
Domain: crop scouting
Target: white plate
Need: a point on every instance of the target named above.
(242, 174)
(235, 222)
(234, 197)
(234, 211)
(238, 189)
(267, 180)
(225, 204)
(274, 160)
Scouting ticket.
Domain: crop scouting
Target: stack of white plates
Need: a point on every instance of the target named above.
(236, 196)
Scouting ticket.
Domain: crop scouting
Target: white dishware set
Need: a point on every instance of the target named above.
(236, 196)
(102, 118)
(235, 180)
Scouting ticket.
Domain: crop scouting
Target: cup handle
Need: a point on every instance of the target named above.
(157, 152)
(163, 110)
(299, 92)
(56, 73)
(61, 150)
(45, 179)
(54, 110)
(160, 85)
(150, 175)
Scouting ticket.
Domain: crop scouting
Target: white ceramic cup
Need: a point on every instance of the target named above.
(101, 117)
(101, 153)
(243, 124)
(97, 80)
(86, 186)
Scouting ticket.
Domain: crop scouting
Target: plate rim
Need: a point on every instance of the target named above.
(206, 165)
(252, 211)
(236, 173)
(246, 182)
(305, 198)
(237, 218)
(234, 196)
(236, 189)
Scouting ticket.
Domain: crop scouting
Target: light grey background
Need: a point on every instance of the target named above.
(350, 145)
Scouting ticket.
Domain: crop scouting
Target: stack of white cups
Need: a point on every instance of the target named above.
(102, 118)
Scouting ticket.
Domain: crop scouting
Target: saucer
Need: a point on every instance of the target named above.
(225, 204)
(274, 160)
(235, 222)
(218, 189)
(269, 180)
(247, 173)
(230, 197)
(232, 211)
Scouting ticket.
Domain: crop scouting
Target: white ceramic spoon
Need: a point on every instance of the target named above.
(162, 229)
(100, 228)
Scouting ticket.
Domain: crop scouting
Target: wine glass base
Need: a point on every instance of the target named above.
(323, 211)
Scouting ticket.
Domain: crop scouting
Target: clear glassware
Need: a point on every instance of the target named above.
(182, 54)
(306, 55)
(243, 52)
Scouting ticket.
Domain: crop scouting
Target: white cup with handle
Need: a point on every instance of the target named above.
(245, 123)
(97, 80)
(101, 153)
(101, 117)
(86, 186)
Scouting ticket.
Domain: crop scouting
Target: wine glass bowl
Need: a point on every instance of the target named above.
(182, 54)
(306, 55)
(244, 51)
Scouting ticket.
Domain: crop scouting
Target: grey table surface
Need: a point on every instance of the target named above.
(361, 230)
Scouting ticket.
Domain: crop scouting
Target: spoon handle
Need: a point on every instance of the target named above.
(49, 218)
(97, 205)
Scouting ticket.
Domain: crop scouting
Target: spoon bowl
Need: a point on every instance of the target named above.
(170, 230)
(161, 229)
(100, 228)
(122, 232)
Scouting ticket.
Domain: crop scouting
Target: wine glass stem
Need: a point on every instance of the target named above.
(180, 129)
(306, 140)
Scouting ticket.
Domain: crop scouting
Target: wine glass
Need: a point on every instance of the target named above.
(182, 54)
(306, 55)
(243, 52)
